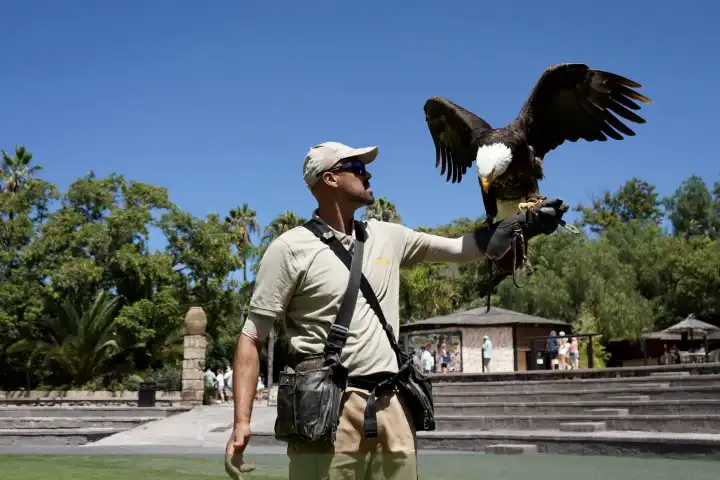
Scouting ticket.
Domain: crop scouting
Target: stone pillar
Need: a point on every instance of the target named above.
(195, 345)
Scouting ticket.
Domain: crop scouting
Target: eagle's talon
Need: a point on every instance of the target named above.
(524, 206)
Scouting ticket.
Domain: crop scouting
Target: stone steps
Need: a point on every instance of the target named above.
(54, 436)
(678, 423)
(637, 393)
(78, 412)
(48, 423)
(583, 427)
(557, 442)
(443, 385)
(574, 407)
(37, 426)
(94, 402)
(630, 372)
(511, 449)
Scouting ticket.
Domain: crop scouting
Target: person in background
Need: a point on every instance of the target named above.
(486, 353)
(260, 388)
(427, 359)
(220, 386)
(552, 346)
(563, 352)
(444, 358)
(228, 377)
(574, 353)
(416, 359)
(209, 393)
(209, 378)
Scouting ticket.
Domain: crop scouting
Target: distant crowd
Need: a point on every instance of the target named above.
(219, 386)
(564, 354)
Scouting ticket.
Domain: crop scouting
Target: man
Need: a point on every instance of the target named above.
(301, 282)
(220, 386)
(427, 359)
(486, 353)
(552, 346)
(228, 376)
(209, 393)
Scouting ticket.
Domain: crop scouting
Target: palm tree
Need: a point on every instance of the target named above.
(284, 222)
(383, 210)
(243, 221)
(78, 339)
(16, 170)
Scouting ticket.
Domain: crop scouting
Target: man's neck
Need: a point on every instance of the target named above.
(338, 218)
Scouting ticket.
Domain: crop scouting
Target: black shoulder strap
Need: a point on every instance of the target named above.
(323, 232)
(337, 337)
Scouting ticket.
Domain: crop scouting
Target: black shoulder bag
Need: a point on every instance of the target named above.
(414, 387)
(310, 395)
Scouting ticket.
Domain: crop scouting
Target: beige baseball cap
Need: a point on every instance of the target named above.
(323, 156)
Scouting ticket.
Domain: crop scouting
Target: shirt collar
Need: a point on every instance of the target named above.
(340, 235)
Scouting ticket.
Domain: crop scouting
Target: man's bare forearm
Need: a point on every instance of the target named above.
(246, 369)
(454, 250)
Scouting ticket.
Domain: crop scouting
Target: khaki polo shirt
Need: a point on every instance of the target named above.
(301, 282)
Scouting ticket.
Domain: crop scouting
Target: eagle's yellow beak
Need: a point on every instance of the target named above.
(486, 182)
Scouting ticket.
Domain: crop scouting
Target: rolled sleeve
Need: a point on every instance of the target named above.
(275, 281)
(257, 327)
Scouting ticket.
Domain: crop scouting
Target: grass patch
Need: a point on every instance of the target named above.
(436, 467)
(121, 467)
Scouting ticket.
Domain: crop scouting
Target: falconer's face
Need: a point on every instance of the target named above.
(350, 180)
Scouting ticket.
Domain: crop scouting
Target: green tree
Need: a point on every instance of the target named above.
(383, 210)
(692, 210)
(24, 202)
(79, 340)
(16, 170)
(243, 223)
(636, 200)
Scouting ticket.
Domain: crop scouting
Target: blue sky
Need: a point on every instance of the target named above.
(219, 101)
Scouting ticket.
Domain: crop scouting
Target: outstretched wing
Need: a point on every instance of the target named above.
(570, 101)
(452, 128)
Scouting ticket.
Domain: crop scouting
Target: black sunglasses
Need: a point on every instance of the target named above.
(357, 167)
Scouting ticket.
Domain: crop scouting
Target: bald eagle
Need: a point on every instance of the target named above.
(570, 101)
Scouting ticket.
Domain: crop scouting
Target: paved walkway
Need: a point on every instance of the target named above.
(206, 426)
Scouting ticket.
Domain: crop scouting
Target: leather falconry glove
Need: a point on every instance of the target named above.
(501, 239)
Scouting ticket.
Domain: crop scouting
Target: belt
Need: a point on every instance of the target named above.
(385, 381)
(369, 382)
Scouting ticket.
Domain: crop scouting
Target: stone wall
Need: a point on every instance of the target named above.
(472, 339)
(193, 385)
(194, 347)
(502, 351)
(69, 398)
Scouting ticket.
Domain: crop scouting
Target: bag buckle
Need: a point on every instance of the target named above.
(426, 421)
(339, 329)
(389, 329)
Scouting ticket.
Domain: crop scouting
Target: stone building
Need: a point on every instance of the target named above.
(461, 334)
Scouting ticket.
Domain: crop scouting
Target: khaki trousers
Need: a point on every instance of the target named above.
(389, 456)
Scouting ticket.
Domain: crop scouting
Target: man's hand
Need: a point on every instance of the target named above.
(234, 464)
(497, 240)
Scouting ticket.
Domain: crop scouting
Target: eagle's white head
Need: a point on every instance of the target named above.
(492, 161)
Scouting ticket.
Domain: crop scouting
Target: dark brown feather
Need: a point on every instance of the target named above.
(571, 102)
(452, 128)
